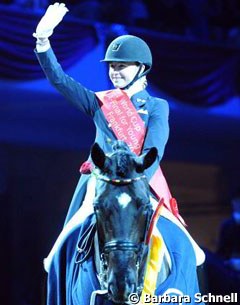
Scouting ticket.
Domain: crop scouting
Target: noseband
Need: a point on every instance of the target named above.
(120, 245)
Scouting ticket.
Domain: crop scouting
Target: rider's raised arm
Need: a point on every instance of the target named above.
(52, 17)
(67, 86)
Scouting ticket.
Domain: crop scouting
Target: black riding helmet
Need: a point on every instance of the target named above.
(129, 48)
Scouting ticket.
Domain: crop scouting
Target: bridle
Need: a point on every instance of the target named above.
(117, 181)
(138, 249)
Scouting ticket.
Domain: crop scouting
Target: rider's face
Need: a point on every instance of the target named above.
(122, 73)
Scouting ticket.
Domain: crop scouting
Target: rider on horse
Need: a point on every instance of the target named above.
(126, 113)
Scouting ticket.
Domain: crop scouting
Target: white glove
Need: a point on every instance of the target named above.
(53, 16)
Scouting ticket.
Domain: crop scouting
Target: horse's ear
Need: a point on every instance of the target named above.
(146, 160)
(98, 156)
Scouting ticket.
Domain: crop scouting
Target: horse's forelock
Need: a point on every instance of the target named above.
(123, 164)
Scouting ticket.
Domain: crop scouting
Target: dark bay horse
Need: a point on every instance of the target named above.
(104, 259)
(123, 212)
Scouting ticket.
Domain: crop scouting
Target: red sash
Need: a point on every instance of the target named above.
(123, 118)
(129, 127)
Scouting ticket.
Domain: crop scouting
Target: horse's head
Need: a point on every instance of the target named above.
(123, 210)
